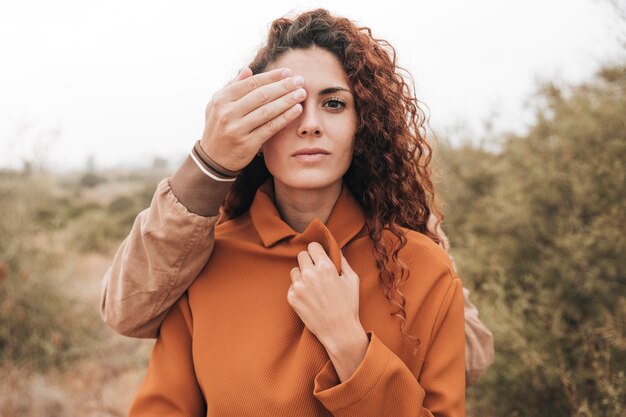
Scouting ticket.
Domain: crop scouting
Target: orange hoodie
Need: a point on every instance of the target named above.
(233, 346)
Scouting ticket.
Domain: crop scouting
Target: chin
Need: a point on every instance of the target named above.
(309, 181)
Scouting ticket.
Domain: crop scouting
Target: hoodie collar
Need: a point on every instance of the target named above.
(346, 219)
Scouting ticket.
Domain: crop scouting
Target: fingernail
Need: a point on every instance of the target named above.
(298, 80)
(286, 73)
(300, 93)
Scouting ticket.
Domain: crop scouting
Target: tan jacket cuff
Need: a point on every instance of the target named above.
(198, 192)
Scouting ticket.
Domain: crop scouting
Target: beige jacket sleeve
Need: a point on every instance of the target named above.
(479, 349)
(478, 343)
(167, 247)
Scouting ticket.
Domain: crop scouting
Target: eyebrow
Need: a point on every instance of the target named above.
(331, 90)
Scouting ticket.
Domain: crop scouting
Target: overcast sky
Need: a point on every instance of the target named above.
(126, 81)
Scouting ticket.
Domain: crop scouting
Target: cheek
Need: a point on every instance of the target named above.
(350, 140)
(272, 145)
(348, 151)
(274, 153)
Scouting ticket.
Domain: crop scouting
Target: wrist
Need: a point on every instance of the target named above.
(347, 340)
(211, 163)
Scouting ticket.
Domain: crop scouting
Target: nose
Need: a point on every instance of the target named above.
(309, 123)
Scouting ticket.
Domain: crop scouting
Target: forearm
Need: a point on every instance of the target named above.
(158, 260)
(169, 244)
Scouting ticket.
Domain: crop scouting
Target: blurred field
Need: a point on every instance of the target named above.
(57, 237)
(536, 224)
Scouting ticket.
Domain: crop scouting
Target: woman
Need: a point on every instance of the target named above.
(325, 293)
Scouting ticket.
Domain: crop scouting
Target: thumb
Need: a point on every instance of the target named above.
(345, 266)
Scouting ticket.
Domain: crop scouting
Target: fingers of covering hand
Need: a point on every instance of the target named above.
(269, 129)
(271, 92)
(240, 88)
(277, 105)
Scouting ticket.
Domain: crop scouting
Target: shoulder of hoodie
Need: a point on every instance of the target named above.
(429, 264)
(236, 228)
(420, 247)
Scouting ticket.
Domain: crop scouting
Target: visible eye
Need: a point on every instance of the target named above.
(335, 103)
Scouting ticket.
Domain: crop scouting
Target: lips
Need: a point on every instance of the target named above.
(311, 151)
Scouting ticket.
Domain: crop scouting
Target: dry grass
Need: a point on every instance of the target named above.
(56, 241)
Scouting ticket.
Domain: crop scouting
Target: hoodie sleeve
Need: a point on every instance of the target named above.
(168, 245)
(384, 385)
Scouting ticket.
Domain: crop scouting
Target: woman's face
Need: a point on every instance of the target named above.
(328, 122)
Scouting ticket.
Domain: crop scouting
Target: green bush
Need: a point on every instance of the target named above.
(537, 230)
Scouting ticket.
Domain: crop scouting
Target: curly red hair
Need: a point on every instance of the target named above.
(389, 173)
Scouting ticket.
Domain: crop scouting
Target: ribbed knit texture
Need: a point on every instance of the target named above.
(233, 346)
